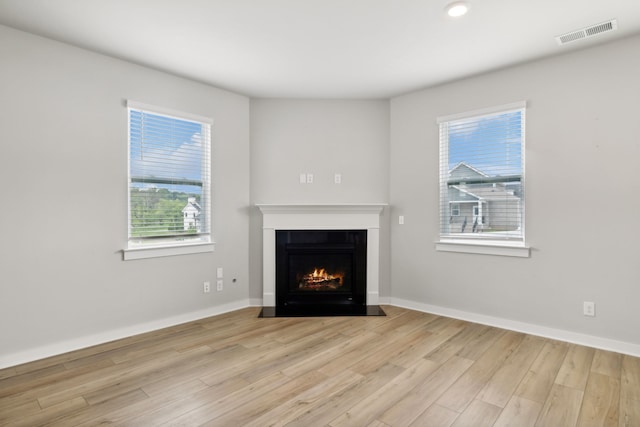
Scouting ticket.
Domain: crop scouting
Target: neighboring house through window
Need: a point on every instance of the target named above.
(169, 178)
(482, 176)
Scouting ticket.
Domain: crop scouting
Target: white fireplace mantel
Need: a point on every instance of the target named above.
(357, 216)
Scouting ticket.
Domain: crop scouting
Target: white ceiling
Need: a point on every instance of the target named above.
(320, 48)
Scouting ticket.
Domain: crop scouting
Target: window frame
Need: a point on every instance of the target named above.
(473, 244)
(140, 248)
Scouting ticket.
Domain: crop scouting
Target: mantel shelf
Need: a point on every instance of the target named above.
(325, 207)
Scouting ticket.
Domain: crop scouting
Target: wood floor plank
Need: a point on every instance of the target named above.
(7, 372)
(20, 408)
(435, 416)
(406, 321)
(101, 380)
(374, 404)
(242, 415)
(205, 411)
(424, 345)
(471, 336)
(465, 389)
(574, 371)
(158, 409)
(399, 347)
(36, 383)
(49, 414)
(330, 353)
(31, 379)
(561, 408)
(601, 402)
(480, 343)
(607, 363)
(307, 400)
(405, 369)
(519, 412)
(260, 362)
(350, 357)
(419, 398)
(478, 414)
(89, 412)
(538, 381)
(324, 413)
(630, 392)
(507, 377)
(294, 353)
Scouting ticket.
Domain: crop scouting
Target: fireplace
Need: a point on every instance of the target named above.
(320, 268)
(331, 259)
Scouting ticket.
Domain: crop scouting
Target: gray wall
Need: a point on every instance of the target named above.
(323, 137)
(582, 153)
(63, 221)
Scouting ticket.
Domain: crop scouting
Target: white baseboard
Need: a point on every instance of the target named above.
(528, 328)
(8, 360)
(103, 337)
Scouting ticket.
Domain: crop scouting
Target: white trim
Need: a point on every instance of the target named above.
(8, 360)
(181, 115)
(478, 244)
(484, 248)
(527, 328)
(505, 108)
(173, 245)
(162, 251)
(355, 216)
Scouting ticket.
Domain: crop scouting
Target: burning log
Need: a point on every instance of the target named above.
(320, 280)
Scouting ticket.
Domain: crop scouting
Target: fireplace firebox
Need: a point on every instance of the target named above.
(321, 270)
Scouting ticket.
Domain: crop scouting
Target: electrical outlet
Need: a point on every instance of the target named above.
(219, 285)
(589, 308)
(337, 178)
(206, 287)
(309, 178)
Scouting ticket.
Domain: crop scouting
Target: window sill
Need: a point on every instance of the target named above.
(484, 248)
(163, 251)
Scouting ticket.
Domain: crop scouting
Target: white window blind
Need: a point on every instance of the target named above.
(169, 177)
(482, 175)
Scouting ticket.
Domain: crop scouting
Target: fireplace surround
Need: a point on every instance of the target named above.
(341, 223)
(320, 267)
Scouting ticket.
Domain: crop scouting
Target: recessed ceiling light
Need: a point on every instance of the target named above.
(457, 9)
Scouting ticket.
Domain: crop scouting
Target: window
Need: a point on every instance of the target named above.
(482, 176)
(169, 180)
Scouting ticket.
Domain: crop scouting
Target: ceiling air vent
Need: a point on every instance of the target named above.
(587, 32)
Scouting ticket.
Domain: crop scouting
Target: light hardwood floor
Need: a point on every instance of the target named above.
(406, 369)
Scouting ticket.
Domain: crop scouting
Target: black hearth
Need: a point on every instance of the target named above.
(321, 272)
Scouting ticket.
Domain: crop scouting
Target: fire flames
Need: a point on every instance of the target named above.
(319, 279)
